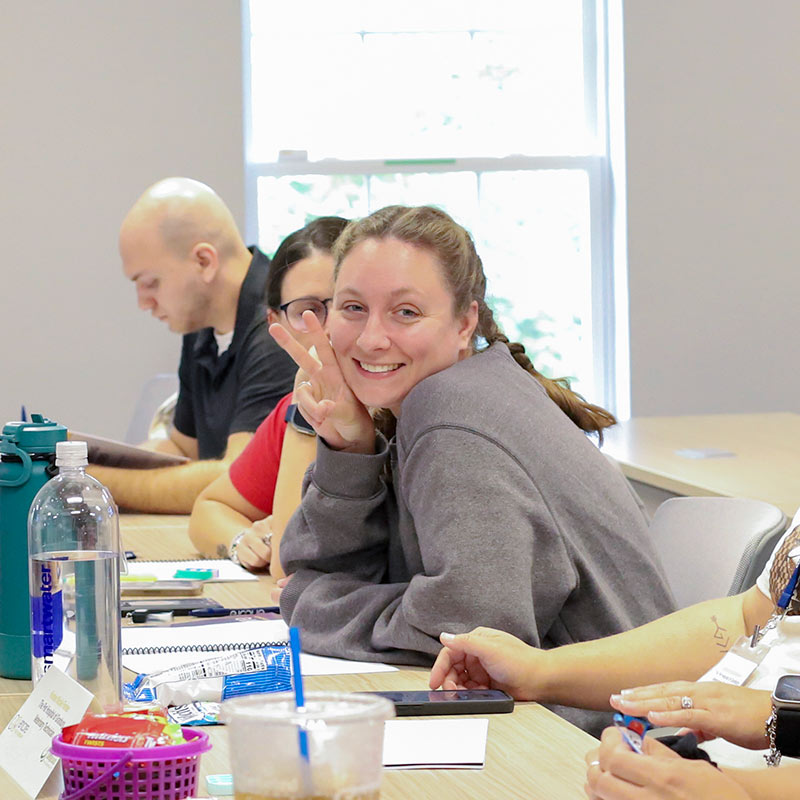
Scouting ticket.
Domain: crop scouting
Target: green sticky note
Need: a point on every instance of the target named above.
(196, 574)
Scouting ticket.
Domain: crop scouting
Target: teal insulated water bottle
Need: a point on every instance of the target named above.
(27, 462)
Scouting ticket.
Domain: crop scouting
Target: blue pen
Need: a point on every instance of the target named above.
(632, 730)
(233, 612)
(23, 415)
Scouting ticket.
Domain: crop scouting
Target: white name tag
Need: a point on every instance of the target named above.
(738, 664)
(57, 701)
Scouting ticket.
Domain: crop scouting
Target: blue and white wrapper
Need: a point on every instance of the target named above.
(264, 669)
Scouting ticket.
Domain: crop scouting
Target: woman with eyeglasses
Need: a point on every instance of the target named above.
(241, 515)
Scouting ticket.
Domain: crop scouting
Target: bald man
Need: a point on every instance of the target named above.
(181, 248)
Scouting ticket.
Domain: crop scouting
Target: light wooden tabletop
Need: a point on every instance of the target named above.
(531, 753)
(765, 464)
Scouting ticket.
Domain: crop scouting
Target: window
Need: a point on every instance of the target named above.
(493, 111)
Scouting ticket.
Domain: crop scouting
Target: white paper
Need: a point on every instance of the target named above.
(222, 634)
(56, 701)
(165, 570)
(322, 665)
(435, 743)
(704, 452)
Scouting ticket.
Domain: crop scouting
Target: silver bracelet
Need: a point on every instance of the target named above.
(266, 538)
(234, 545)
(773, 758)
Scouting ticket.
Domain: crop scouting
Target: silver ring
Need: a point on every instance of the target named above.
(303, 383)
(687, 702)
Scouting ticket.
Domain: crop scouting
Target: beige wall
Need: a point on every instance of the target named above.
(98, 100)
(712, 124)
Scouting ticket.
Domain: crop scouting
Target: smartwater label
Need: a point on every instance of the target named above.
(47, 616)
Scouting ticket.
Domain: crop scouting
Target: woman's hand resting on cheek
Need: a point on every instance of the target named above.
(324, 399)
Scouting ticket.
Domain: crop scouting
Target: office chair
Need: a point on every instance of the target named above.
(156, 391)
(714, 546)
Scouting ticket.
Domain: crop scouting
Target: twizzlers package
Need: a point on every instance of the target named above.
(125, 729)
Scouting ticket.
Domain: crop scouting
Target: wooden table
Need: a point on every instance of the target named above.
(531, 753)
(765, 464)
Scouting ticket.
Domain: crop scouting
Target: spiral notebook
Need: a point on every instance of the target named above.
(147, 649)
(224, 569)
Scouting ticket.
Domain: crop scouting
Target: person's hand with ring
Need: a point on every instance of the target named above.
(252, 546)
(710, 709)
(615, 772)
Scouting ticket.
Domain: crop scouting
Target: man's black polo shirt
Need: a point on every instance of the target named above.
(235, 392)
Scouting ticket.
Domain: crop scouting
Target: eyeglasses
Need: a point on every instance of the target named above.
(294, 311)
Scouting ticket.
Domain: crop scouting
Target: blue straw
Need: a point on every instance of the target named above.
(299, 702)
(294, 644)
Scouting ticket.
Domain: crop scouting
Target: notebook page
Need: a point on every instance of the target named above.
(227, 632)
(219, 635)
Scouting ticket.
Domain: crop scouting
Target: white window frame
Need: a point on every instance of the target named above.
(609, 348)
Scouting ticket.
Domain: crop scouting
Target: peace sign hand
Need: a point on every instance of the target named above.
(325, 399)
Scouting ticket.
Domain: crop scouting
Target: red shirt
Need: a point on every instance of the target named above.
(255, 471)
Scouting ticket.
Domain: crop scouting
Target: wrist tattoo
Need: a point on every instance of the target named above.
(721, 637)
(222, 551)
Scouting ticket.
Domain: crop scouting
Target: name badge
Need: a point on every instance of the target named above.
(57, 701)
(738, 664)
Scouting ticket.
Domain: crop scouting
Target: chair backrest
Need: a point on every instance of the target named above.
(154, 392)
(713, 546)
(161, 423)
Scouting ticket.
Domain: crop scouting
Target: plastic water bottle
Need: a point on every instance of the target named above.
(73, 540)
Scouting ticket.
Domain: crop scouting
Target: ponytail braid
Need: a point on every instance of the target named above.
(432, 229)
(587, 416)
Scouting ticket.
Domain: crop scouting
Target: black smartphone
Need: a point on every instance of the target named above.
(180, 606)
(446, 701)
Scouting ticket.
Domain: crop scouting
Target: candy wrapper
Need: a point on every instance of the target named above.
(124, 729)
(265, 669)
(195, 714)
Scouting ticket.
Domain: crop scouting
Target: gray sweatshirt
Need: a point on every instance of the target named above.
(499, 512)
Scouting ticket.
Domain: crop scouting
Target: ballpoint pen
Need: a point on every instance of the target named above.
(233, 612)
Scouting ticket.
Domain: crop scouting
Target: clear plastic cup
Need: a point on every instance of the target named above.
(345, 746)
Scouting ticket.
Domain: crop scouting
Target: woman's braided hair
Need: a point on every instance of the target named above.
(433, 230)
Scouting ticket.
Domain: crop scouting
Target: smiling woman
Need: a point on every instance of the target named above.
(490, 506)
(393, 321)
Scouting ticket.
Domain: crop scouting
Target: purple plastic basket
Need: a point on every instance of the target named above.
(136, 773)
